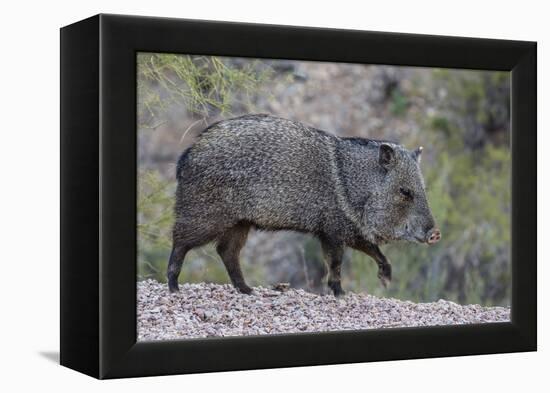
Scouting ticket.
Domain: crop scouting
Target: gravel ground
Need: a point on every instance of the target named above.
(205, 310)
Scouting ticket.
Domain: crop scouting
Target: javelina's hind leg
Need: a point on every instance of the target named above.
(333, 256)
(229, 248)
(184, 238)
(174, 266)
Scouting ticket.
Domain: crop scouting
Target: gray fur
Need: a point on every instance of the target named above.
(275, 174)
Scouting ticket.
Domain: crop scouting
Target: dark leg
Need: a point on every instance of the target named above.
(384, 266)
(229, 248)
(174, 266)
(184, 238)
(333, 257)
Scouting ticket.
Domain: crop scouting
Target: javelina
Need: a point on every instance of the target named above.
(270, 173)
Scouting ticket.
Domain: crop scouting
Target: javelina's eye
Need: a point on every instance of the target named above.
(408, 194)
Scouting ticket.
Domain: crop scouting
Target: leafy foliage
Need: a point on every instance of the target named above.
(198, 83)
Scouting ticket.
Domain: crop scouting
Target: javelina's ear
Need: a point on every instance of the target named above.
(386, 155)
(417, 153)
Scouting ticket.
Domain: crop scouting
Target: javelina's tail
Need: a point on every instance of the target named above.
(181, 163)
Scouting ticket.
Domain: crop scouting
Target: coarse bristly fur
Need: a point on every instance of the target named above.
(275, 174)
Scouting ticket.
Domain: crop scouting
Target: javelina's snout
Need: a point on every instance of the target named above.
(433, 236)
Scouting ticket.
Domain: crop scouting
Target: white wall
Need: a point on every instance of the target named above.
(29, 184)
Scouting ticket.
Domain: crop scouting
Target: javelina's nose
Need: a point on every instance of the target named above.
(434, 236)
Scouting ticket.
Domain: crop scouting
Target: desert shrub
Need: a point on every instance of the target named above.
(200, 84)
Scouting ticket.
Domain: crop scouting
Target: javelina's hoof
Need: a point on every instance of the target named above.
(173, 287)
(384, 274)
(340, 293)
(244, 289)
(336, 287)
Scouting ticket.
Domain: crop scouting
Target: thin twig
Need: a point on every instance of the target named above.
(189, 128)
(155, 126)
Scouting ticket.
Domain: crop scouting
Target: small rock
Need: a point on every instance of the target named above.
(281, 287)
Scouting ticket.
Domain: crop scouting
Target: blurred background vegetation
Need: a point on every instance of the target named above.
(461, 117)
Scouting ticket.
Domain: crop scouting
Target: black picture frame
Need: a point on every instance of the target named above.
(98, 195)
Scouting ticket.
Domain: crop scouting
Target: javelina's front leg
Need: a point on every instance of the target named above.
(384, 266)
(333, 253)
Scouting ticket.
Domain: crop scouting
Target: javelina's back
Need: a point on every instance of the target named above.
(271, 172)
